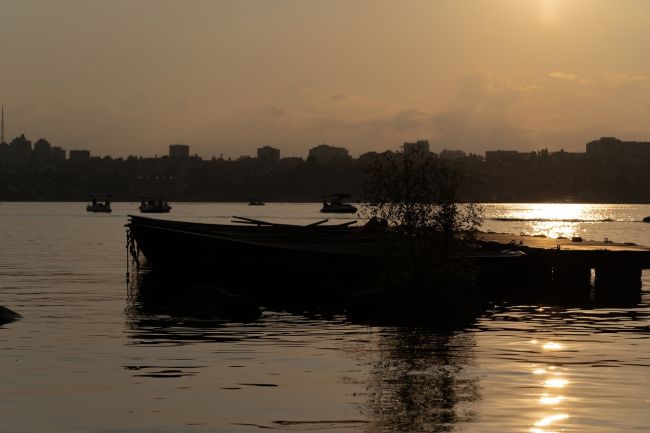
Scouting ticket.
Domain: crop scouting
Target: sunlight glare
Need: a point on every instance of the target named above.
(556, 383)
(549, 12)
(555, 219)
(552, 346)
(558, 211)
(550, 400)
(551, 419)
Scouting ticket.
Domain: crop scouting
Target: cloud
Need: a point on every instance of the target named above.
(611, 79)
(484, 114)
(570, 77)
(487, 112)
(339, 97)
(619, 79)
(409, 121)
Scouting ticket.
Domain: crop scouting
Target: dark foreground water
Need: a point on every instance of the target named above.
(85, 359)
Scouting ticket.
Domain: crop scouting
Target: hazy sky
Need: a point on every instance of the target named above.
(131, 77)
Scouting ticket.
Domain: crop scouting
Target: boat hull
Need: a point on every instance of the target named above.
(264, 261)
(102, 209)
(149, 210)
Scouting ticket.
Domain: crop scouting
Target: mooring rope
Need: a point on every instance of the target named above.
(132, 251)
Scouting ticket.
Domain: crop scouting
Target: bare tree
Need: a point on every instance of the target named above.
(431, 220)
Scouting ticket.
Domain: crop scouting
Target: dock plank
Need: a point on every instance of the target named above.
(564, 243)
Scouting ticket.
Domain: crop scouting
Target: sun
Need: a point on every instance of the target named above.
(548, 12)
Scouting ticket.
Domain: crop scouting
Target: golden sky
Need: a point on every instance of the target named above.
(127, 77)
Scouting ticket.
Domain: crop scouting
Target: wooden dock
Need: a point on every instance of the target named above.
(570, 266)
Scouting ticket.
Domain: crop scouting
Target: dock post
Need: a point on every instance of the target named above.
(618, 285)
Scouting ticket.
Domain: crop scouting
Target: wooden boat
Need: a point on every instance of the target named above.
(256, 202)
(102, 205)
(335, 204)
(154, 205)
(254, 251)
(168, 241)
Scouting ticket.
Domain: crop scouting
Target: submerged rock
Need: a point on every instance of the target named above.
(7, 315)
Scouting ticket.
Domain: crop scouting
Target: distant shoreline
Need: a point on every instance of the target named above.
(246, 201)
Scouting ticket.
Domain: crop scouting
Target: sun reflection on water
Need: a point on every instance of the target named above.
(552, 398)
(556, 211)
(561, 211)
(555, 383)
(555, 229)
(551, 345)
(555, 220)
(551, 419)
(560, 220)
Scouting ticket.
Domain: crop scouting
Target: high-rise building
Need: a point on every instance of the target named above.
(327, 153)
(419, 147)
(58, 154)
(20, 151)
(505, 156)
(268, 154)
(179, 151)
(42, 150)
(616, 151)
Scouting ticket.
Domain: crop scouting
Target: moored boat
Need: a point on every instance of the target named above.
(277, 261)
(154, 205)
(102, 205)
(335, 204)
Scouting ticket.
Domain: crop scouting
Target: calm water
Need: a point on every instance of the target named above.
(84, 359)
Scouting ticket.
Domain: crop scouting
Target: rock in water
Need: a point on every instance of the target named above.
(7, 315)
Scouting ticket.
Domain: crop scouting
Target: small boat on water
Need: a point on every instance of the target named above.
(256, 202)
(335, 204)
(154, 205)
(101, 205)
(646, 219)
